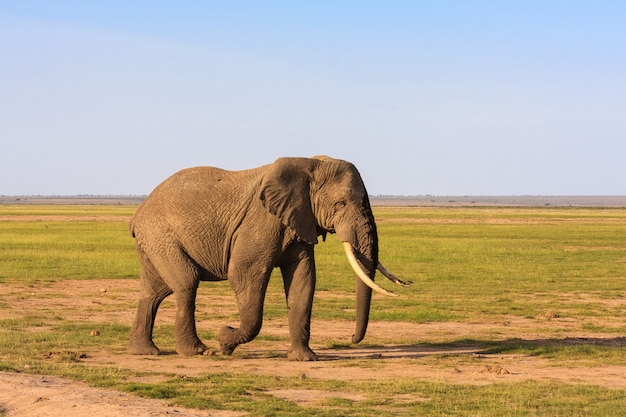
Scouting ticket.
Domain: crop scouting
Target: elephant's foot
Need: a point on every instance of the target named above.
(227, 337)
(195, 347)
(143, 348)
(302, 354)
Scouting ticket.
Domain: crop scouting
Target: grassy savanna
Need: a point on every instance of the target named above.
(513, 284)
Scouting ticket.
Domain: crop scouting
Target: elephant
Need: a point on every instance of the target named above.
(210, 224)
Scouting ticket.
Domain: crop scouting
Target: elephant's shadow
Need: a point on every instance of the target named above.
(420, 350)
(465, 347)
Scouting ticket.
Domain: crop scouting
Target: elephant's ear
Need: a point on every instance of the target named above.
(285, 192)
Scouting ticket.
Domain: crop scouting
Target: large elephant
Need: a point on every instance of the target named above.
(208, 224)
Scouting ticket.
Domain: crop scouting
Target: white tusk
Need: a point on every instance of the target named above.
(392, 277)
(347, 247)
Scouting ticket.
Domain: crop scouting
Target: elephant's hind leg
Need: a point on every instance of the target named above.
(153, 291)
(187, 340)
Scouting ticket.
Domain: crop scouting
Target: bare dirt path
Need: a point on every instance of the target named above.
(429, 355)
(37, 396)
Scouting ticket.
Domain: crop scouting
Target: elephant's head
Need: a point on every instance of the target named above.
(324, 195)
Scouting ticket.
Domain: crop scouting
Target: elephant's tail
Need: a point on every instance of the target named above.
(131, 227)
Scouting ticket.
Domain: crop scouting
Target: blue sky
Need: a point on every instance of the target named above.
(425, 97)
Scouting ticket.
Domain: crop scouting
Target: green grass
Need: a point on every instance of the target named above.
(36, 245)
(236, 392)
(467, 265)
(486, 261)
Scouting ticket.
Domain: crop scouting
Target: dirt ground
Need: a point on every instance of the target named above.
(113, 301)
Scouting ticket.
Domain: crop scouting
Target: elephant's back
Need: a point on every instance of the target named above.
(193, 180)
(199, 183)
(195, 196)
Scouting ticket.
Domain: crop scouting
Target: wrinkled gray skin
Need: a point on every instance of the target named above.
(208, 224)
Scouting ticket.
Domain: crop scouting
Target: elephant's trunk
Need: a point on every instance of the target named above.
(363, 300)
(364, 276)
(361, 241)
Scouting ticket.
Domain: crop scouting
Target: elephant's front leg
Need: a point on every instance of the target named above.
(299, 279)
(250, 291)
(187, 340)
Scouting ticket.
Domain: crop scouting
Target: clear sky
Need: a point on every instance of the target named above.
(425, 97)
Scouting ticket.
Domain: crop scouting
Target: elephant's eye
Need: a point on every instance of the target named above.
(339, 205)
